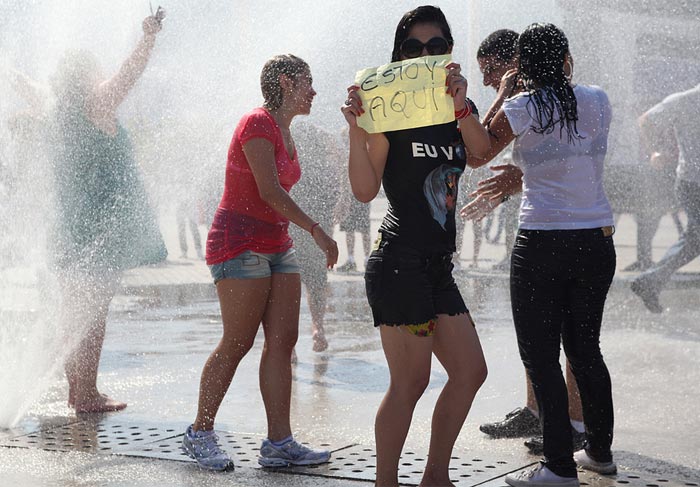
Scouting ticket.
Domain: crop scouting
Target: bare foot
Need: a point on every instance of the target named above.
(99, 404)
(320, 342)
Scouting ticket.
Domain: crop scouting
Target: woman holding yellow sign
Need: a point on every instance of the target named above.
(414, 299)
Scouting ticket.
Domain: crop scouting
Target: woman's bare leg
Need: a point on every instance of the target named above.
(243, 303)
(316, 295)
(457, 347)
(86, 303)
(281, 326)
(408, 357)
(575, 408)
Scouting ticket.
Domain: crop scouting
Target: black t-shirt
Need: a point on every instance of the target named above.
(421, 180)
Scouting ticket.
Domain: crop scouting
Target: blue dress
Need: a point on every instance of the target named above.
(104, 219)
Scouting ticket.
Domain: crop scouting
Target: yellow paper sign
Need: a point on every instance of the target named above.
(405, 94)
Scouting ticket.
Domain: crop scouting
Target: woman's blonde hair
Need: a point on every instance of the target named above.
(284, 64)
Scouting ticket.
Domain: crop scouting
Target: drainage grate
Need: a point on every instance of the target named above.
(353, 462)
(93, 436)
(33, 425)
(242, 447)
(357, 462)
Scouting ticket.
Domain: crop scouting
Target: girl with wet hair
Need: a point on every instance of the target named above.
(105, 224)
(563, 259)
(541, 50)
(414, 299)
(288, 65)
(255, 268)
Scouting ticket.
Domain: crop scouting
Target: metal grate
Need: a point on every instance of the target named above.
(32, 425)
(358, 463)
(353, 462)
(243, 448)
(93, 436)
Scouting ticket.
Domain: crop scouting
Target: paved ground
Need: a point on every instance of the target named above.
(165, 322)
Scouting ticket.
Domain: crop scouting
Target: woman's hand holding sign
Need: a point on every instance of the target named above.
(456, 85)
(352, 108)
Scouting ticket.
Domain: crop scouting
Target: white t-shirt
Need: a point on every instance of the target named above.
(562, 180)
(680, 111)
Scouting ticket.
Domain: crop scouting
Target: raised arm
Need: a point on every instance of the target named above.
(368, 152)
(29, 90)
(493, 191)
(500, 134)
(499, 187)
(111, 93)
(496, 124)
(260, 154)
(509, 86)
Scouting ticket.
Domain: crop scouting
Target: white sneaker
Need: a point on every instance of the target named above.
(204, 447)
(539, 475)
(584, 461)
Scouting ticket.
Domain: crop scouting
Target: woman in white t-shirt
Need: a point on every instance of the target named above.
(563, 259)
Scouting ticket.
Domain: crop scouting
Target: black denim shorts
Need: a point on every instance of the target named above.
(407, 287)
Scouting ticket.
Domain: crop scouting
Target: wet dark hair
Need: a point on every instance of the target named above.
(501, 44)
(287, 64)
(542, 49)
(425, 14)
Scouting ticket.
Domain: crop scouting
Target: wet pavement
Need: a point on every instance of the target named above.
(166, 322)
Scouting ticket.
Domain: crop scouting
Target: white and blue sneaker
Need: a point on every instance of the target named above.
(540, 476)
(289, 453)
(203, 446)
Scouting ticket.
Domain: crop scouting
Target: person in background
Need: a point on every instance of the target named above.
(563, 260)
(23, 175)
(105, 224)
(356, 221)
(187, 217)
(672, 132)
(317, 192)
(254, 266)
(477, 227)
(415, 301)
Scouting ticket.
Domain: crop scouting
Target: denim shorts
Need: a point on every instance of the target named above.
(253, 265)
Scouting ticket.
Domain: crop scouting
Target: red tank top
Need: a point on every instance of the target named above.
(243, 221)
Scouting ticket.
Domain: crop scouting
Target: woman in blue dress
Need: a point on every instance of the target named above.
(104, 223)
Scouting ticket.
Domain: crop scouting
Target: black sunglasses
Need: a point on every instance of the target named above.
(436, 46)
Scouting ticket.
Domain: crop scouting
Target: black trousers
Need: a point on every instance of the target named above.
(559, 282)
